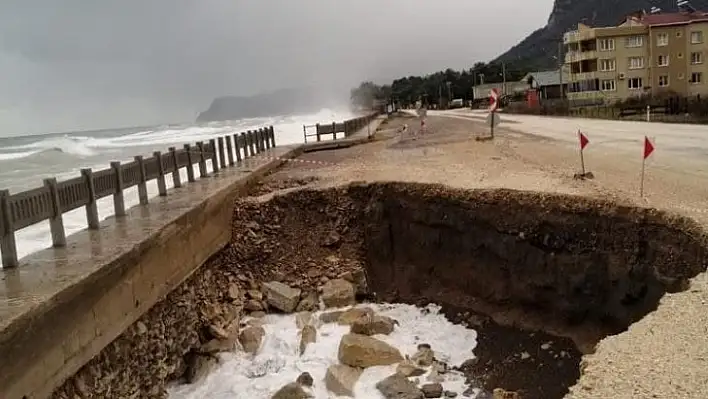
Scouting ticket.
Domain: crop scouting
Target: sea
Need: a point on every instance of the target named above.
(26, 160)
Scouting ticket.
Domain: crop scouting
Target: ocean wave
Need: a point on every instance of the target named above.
(72, 145)
(8, 156)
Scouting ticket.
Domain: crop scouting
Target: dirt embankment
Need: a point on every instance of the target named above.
(546, 262)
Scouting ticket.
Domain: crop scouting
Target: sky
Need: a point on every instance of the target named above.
(78, 64)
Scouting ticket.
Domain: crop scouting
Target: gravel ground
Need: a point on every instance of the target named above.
(665, 355)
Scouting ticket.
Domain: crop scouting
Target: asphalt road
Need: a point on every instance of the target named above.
(673, 142)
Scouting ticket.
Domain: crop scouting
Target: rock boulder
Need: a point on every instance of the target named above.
(281, 296)
(372, 325)
(308, 335)
(292, 390)
(363, 351)
(399, 387)
(407, 368)
(340, 379)
(432, 390)
(251, 338)
(337, 293)
(424, 356)
(349, 316)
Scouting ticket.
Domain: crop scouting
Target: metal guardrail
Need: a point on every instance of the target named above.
(53, 199)
(347, 127)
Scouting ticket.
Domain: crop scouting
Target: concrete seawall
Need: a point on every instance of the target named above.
(63, 306)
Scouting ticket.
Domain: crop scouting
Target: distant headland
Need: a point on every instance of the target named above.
(280, 102)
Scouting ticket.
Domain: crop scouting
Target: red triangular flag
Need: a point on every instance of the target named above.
(583, 140)
(648, 147)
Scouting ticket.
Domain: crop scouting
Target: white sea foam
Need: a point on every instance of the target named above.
(278, 362)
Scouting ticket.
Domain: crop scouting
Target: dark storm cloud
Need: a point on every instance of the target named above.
(69, 64)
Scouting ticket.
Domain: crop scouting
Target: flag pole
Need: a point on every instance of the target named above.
(491, 123)
(641, 182)
(648, 150)
(582, 162)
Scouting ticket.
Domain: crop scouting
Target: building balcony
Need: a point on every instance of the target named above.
(578, 77)
(576, 56)
(585, 95)
(578, 36)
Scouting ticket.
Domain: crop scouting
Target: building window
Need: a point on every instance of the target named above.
(696, 37)
(662, 39)
(663, 80)
(696, 58)
(636, 62)
(607, 44)
(608, 85)
(696, 77)
(634, 41)
(608, 65)
(679, 33)
(634, 83)
(662, 61)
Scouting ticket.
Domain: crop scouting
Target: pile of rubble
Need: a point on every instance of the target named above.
(420, 375)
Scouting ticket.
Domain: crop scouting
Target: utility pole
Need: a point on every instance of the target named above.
(504, 78)
(560, 68)
(440, 96)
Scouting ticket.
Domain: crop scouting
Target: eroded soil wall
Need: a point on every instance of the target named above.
(575, 259)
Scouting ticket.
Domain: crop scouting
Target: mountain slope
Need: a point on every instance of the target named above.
(538, 49)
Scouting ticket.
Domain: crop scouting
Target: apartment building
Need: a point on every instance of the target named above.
(647, 54)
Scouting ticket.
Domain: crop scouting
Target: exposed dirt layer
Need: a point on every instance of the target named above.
(556, 260)
(532, 363)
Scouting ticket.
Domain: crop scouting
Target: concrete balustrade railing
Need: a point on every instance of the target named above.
(347, 127)
(53, 198)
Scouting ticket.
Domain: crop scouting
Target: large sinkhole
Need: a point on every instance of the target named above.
(539, 277)
(526, 270)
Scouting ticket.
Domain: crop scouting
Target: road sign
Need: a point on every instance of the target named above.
(493, 100)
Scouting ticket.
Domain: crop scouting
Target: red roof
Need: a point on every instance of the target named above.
(678, 18)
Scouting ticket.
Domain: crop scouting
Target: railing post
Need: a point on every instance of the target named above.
(251, 147)
(304, 132)
(8, 246)
(118, 199)
(259, 140)
(214, 158)
(176, 179)
(190, 163)
(334, 130)
(202, 160)
(244, 141)
(222, 153)
(229, 150)
(237, 147)
(161, 184)
(142, 184)
(266, 137)
(317, 131)
(91, 207)
(56, 221)
(272, 136)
